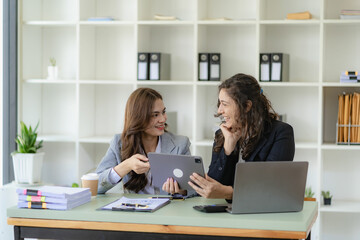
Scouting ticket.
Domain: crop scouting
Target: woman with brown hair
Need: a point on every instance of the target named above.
(249, 132)
(144, 131)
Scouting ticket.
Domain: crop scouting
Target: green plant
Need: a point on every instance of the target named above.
(53, 61)
(26, 141)
(326, 194)
(309, 193)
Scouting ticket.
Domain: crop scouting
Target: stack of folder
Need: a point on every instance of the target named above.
(53, 197)
(349, 14)
(350, 77)
(348, 127)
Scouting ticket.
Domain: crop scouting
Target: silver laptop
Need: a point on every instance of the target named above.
(269, 187)
(178, 167)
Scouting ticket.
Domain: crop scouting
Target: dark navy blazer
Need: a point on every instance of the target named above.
(277, 144)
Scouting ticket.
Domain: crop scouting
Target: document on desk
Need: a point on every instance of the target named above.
(136, 204)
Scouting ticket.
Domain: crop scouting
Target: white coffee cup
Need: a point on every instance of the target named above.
(90, 180)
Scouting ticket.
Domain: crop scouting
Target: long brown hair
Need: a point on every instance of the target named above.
(242, 88)
(138, 114)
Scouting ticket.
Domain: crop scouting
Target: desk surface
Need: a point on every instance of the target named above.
(177, 213)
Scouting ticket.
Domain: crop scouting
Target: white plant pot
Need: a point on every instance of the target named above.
(28, 167)
(52, 72)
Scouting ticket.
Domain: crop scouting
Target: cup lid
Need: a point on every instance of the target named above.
(90, 176)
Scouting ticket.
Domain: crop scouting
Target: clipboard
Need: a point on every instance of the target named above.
(136, 204)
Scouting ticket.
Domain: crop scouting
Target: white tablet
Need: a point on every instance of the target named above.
(178, 167)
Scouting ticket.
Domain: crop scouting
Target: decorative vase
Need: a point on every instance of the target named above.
(52, 72)
(327, 201)
(28, 167)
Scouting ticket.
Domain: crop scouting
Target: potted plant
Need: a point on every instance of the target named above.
(27, 162)
(52, 69)
(327, 197)
(309, 194)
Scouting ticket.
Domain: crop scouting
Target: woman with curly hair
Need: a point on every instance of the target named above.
(144, 131)
(249, 132)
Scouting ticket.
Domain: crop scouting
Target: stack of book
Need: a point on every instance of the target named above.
(299, 16)
(53, 197)
(349, 14)
(350, 77)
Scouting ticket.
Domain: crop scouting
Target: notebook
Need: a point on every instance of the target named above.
(54, 206)
(178, 167)
(56, 192)
(269, 187)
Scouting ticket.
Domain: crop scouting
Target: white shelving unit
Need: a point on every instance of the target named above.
(81, 111)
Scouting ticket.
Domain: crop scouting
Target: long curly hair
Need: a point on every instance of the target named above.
(243, 88)
(138, 112)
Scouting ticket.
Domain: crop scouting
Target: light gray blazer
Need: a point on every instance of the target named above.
(170, 143)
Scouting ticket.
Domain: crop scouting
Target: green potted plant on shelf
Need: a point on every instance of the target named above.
(309, 194)
(327, 197)
(52, 69)
(26, 160)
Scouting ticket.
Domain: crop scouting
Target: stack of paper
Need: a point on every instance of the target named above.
(349, 14)
(53, 197)
(349, 119)
(350, 77)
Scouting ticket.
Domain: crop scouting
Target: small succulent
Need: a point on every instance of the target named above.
(53, 61)
(26, 141)
(326, 194)
(309, 193)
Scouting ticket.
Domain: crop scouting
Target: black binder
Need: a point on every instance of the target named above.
(159, 66)
(265, 67)
(143, 66)
(279, 67)
(214, 66)
(204, 67)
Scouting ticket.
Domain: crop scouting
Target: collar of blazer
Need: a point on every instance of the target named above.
(167, 143)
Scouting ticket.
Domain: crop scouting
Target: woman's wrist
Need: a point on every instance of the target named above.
(122, 168)
(228, 192)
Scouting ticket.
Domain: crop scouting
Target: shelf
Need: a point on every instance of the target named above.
(57, 138)
(333, 146)
(342, 21)
(164, 82)
(48, 81)
(291, 22)
(50, 23)
(208, 83)
(226, 22)
(338, 84)
(107, 23)
(107, 82)
(341, 206)
(166, 23)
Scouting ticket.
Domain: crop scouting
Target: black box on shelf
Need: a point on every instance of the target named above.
(159, 66)
(274, 67)
(204, 67)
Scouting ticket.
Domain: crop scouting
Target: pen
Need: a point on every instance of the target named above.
(134, 205)
(170, 198)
